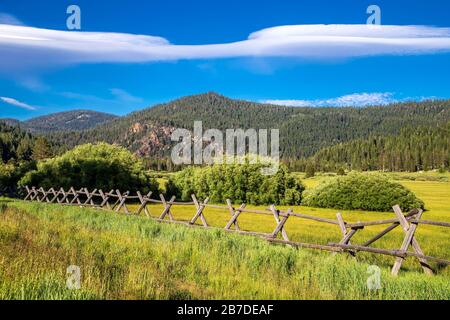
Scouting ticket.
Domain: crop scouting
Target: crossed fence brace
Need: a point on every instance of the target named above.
(408, 222)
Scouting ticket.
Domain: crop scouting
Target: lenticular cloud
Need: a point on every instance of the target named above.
(24, 47)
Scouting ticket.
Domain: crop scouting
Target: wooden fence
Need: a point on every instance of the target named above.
(117, 201)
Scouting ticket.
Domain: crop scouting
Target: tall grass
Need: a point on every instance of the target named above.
(131, 257)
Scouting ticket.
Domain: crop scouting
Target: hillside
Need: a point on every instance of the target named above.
(414, 149)
(64, 121)
(304, 131)
(9, 122)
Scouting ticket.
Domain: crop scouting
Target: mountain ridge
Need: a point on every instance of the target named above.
(303, 130)
(77, 119)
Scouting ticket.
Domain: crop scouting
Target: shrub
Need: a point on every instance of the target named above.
(442, 170)
(101, 166)
(237, 182)
(362, 191)
(420, 177)
(11, 173)
(310, 171)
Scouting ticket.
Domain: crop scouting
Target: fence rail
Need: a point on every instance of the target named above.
(117, 201)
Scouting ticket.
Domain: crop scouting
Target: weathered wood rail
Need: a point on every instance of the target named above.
(116, 201)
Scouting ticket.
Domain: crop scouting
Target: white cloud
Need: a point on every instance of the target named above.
(25, 47)
(17, 103)
(350, 100)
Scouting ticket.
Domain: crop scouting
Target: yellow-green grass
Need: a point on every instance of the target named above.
(136, 257)
(435, 241)
(130, 257)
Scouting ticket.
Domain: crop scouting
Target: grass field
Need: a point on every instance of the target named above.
(130, 257)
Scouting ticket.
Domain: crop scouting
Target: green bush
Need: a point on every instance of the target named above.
(11, 173)
(310, 170)
(101, 166)
(362, 191)
(237, 182)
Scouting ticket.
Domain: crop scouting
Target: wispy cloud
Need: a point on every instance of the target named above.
(350, 100)
(123, 95)
(6, 18)
(117, 101)
(25, 47)
(32, 83)
(17, 103)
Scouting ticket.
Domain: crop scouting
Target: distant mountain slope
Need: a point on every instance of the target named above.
(66, 121)
(415, 148)
(10, 122)
(303, 131)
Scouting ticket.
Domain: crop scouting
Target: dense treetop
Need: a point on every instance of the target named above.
(100, 166)
(414, 149)
(239, 182)
(365, 191)
(15, 143)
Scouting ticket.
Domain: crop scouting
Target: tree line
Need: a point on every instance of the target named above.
(414, 149)
(19, 145)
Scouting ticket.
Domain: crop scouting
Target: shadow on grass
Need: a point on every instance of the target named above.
(4, 205)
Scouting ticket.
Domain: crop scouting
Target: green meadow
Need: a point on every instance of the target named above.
(133, 257)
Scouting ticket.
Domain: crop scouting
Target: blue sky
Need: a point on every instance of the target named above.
(36, 81)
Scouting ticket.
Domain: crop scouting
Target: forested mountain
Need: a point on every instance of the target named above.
(415, 148)
(400, 137)
(303, 131)
(63, 121)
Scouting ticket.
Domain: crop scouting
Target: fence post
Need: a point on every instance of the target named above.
(199, 213)
(35, 194)
(89, 196)
(55, 195)
(144, 201)
(104, 199)
(65, 195)
(346, 235)
(409, 230)
(76, 195)
(28, 193)
(41, 190)
(167, 206)
(234, 215)
(122, 199)
(280, 223)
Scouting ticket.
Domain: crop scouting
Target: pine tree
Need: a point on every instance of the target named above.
(24, 149)
(41, 149)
